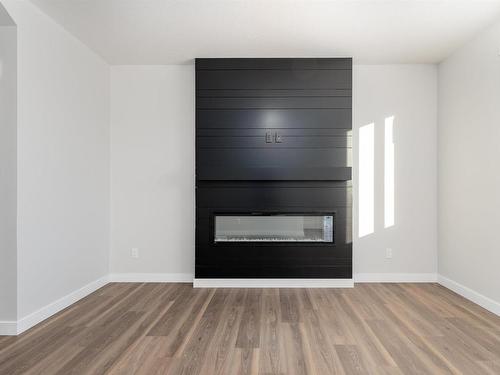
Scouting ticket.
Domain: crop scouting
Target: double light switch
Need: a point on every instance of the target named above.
(273, 136)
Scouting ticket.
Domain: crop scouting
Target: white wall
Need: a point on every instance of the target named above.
(407, 92)
(8, 171)
(153, 168)
(63, 161)
(469, 156)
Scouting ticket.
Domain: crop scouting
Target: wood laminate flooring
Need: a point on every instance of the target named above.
(132, 328)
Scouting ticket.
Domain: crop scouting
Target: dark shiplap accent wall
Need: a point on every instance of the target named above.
(308, 103)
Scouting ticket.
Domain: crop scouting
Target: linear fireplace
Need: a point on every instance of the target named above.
(273, 168)
(273, 227)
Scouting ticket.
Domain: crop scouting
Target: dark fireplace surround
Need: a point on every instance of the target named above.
(273, 168)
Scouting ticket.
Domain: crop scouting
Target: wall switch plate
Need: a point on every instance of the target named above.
(269, 137)
(388, 253)
(135, 252)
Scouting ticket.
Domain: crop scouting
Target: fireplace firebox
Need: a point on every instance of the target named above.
(273, 227)
(273, 168)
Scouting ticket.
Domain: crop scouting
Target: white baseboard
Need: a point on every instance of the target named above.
(273, 283)
(481, 300)
(45, 312)
(8, 328)
(395, 278)
(151, 278)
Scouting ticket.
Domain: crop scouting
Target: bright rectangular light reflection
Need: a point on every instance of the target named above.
(366, 180)
(389, 173)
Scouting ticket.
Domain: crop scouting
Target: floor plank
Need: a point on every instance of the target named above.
(249, 330)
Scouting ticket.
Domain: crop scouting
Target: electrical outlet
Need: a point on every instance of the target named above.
(135, 252)
(388, 253)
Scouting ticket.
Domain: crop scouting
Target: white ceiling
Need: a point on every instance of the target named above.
(176, 31)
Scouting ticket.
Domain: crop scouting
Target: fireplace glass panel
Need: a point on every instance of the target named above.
(273, 228)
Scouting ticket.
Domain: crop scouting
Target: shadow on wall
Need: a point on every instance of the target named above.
(366, 177)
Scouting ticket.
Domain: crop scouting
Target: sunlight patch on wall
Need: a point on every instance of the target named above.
(389, 172)
(366, 180)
